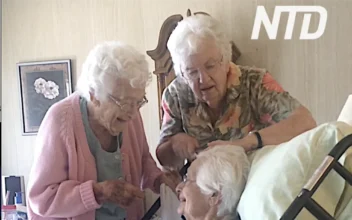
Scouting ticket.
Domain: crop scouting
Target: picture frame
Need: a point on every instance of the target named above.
(41, 85)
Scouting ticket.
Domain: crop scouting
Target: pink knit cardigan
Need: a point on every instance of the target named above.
(60, 183)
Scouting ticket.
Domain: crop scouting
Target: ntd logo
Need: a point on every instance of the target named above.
(272, 27)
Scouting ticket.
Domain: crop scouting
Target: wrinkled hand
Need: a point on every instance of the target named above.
(170, 178)
(117, 191)
(184, 146)
(245, 143)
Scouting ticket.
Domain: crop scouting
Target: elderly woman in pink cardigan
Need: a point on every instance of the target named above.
(92, 158)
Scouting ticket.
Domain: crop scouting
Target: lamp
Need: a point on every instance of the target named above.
(346, 113)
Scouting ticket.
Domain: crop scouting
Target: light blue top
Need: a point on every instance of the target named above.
(108, 164)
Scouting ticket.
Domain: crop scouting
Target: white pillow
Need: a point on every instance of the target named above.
(346, 112)
(169, 204)
(278, 173)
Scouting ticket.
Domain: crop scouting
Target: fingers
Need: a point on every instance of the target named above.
(125, 200)
(123, 193)
(213, 143)
(134, 191)
(192, 146)
(176, 175)
(191, 151)
(185, 150)
(178, 149)
(171, 183)
(185, 146)
(175, 178)
(219, 142)
(171, 179)
(138, 194)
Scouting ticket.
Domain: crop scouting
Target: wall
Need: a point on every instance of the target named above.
(0, 59)
(318, 72)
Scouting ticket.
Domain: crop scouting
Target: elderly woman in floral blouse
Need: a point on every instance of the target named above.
(213, 101)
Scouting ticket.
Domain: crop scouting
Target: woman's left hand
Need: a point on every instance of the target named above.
(170, 178)
(246, 143)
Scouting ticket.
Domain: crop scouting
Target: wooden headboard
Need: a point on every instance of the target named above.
(162, 59)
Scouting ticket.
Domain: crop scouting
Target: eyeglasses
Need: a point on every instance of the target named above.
(126, 107)
(211, 69)
(185, 179)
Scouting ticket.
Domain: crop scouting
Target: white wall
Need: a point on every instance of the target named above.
(318, 73)
(0, 59)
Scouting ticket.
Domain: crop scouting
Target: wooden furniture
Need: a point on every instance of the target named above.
(162, 59)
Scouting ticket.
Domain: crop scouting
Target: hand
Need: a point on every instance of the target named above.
(184, 146)
(248, 143)
(171, 179)
(221, 142)
(117, 191)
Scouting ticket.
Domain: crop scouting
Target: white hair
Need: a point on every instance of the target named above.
(189, 34)
(224, 170)
(106, 63)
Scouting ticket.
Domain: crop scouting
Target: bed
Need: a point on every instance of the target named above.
(301, 200)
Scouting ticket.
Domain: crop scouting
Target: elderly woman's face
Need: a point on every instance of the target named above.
(122, 104)
(194, 204)
(206, 73)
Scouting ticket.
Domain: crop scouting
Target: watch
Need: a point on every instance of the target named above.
(259, 139)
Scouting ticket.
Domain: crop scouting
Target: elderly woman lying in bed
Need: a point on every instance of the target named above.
(214, 184)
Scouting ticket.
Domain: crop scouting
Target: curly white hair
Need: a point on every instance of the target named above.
(188, 35)
(224, 170)
(110, 61)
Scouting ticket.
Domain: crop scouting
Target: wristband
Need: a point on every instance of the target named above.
(259, 139)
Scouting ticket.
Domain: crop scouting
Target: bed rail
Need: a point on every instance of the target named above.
(304, 199)
(156, 205)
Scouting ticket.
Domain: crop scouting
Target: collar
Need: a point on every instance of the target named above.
(232, 92)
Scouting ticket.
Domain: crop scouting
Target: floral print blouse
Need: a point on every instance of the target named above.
(254, 100)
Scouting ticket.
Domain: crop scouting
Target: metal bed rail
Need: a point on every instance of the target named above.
(304, 199)
(156, 205)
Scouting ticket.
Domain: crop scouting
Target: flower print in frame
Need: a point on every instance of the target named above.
(42, 84)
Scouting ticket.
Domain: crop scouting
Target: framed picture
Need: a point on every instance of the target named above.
(42, 84)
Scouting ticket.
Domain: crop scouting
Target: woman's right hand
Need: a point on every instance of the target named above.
(184, 146)
(117, 191)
